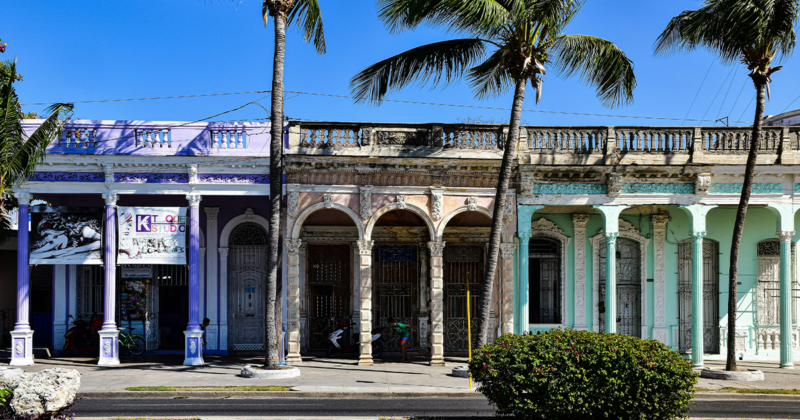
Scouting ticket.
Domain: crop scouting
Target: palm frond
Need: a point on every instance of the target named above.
(31, 150)
(472, 17)
(306, 14)
(599, 63)
(552, 14)
(446, 60)
(490, 78)
(11, 132)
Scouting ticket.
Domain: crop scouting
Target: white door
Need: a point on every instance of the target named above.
(248, 274)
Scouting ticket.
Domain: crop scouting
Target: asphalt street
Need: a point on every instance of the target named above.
(440, 408)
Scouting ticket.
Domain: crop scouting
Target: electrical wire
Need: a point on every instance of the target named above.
(737, 97)
(151, 99)
(745, 110)
(698, 91)
(725, 98)
(718, 91)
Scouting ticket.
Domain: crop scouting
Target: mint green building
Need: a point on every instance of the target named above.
(628, 230)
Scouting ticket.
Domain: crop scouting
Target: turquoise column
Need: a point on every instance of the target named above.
(697, 299)
(524, 215)
(786, 299)
(697, 216)
(610, 215)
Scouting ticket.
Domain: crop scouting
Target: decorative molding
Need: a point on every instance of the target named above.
(472, 204)
(657, 188)
(23, 197)
(508, 212)
(365, 201)
(223, 253)
(293, 245)
(735, 188)
(332, 176)
(110, 199)
(659, 277)
(291, 203)
(660, 221)
(437, 203)
(211, 213)
(194, 199)
(108, 174)
(67, 177)
(568, 189)
(365, 247)
(614, 185)
(697, 237)
(327, 199)
(507, 250)
(579, 222)
(546, 226)
(611, 237)
(701, 184)
(151, 178)
(785, 235)
(192, 172)
(233, 178)
(437, 248)
(401, 202)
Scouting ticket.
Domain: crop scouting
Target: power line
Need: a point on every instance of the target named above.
(718, 91)
(737, 97)
(698, 91)
(725, 98)
(745, 110)
(153, 98)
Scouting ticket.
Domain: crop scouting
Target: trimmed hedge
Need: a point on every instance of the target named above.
(567, 374)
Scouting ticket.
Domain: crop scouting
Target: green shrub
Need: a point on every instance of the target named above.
(566, 374)
(5, 394)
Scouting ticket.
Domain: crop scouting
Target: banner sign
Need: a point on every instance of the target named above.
(137, 271)
(66, 235)
(152, 235)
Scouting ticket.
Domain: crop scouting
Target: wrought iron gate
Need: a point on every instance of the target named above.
(395, 274)
(460, 261)
(545, 281)
(328, 283)
(710, 296)
(629, 287)
(769, 283)
(247, 262)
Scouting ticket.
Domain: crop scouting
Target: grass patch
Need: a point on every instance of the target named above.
(732, 390)
(163, 388)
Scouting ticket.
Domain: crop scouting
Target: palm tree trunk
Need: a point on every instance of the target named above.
(495, 237)
(275, 191)
(738, 226)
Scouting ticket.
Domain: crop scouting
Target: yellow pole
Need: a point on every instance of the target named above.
(469, 331)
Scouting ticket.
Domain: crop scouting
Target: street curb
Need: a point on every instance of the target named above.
(111, 395)
(730, 396)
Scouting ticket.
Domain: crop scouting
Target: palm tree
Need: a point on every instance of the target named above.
(19, 152)
(753, 32)
(525, 38)
(307, 15)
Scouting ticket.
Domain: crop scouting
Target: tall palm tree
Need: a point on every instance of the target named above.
(753, 32)
(307, 15)
(508, 43)
(19, 152)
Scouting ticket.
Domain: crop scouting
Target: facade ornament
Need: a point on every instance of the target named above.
(365, 202)
(526, 185)
(401, 202)
(611, 238)
(211, 212)
(19, 348)
(107, 348)
(23, 197)
(785, 235)
(328, 200)
(544, 225)
(293, 245)
(614, 185)
(248, 214)
(110, 199)
(697, 237)
(437, 248)
(223, 252)
(365, 247)
(194, 199)
(202, 252)
(108, 171)
(507, 250)
(702, 183)
(193, 348)
(472, 204)
(660, 221)
(192, 170)
(580, 220)
(291, 203)
(437, 203)
(508, 212)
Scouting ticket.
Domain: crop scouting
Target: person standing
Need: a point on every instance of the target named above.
(403, 331)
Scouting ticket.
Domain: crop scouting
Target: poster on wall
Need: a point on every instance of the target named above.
(134, 299)
(66, 235)
(151, 235)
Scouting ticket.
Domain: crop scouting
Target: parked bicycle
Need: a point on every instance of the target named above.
(132, 344)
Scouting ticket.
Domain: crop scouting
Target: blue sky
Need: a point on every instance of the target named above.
(89, 50)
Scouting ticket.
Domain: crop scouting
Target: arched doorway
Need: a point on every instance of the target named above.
(710, 295)
(629, 287)
(247, 274)
(545, 285)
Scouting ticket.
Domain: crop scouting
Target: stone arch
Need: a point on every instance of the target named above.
(479, 209)
(544, 228)
(626, 230)
(301, 218)
(248, 216)
(419, 211)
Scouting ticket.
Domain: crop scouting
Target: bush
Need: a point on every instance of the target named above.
(567, 374)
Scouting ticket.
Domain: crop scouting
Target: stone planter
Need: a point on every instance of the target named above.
(461, 371)
(727, 375)
(284, 372)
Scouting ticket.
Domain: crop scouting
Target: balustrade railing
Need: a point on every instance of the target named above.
(653, 139)
(737, 140)
(78, 137)
(152, 138)
(566, 139)
(472, 137)
(330, 136)
(228, 138)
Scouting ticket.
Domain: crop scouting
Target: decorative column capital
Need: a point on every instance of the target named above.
(23, 197)
(437, 248)
(524, 237)
(202, 252)
(660, 221)
(697, 236)
(507, 250)
(702, 183)
(365, 247)
(194, 199)
(293, 245)
(211, 212)
(223, 252)
(110, 199)
(785, 235)
(611, 237)
(579, 221)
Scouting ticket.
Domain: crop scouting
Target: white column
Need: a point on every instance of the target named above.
(611, 233)
(293, 300)
(212, 282)
(579, 225)
(437, 303)
(365, 270)
(223, 299)
(203, 284)
(660, 332)
(507, 298)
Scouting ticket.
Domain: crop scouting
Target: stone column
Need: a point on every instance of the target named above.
(424, 317)
(293, 300)
(109, 334)
(223, 298)
(523, 292)
(365, 292)
(611, 233)
(437, 303)
(507, 298)
(193, 333)
(786, 298)
(22, 336)
(659, 270)
(579, 225)
(212, 282)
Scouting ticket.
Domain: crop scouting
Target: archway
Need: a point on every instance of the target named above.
(247, 273)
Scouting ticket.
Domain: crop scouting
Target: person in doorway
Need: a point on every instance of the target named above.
(203, 326)
(403, 331)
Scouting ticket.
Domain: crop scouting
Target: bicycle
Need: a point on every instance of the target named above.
(132, 344)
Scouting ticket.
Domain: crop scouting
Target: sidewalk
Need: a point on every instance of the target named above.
(774, 377)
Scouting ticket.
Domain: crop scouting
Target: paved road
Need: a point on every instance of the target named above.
(440, 408)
